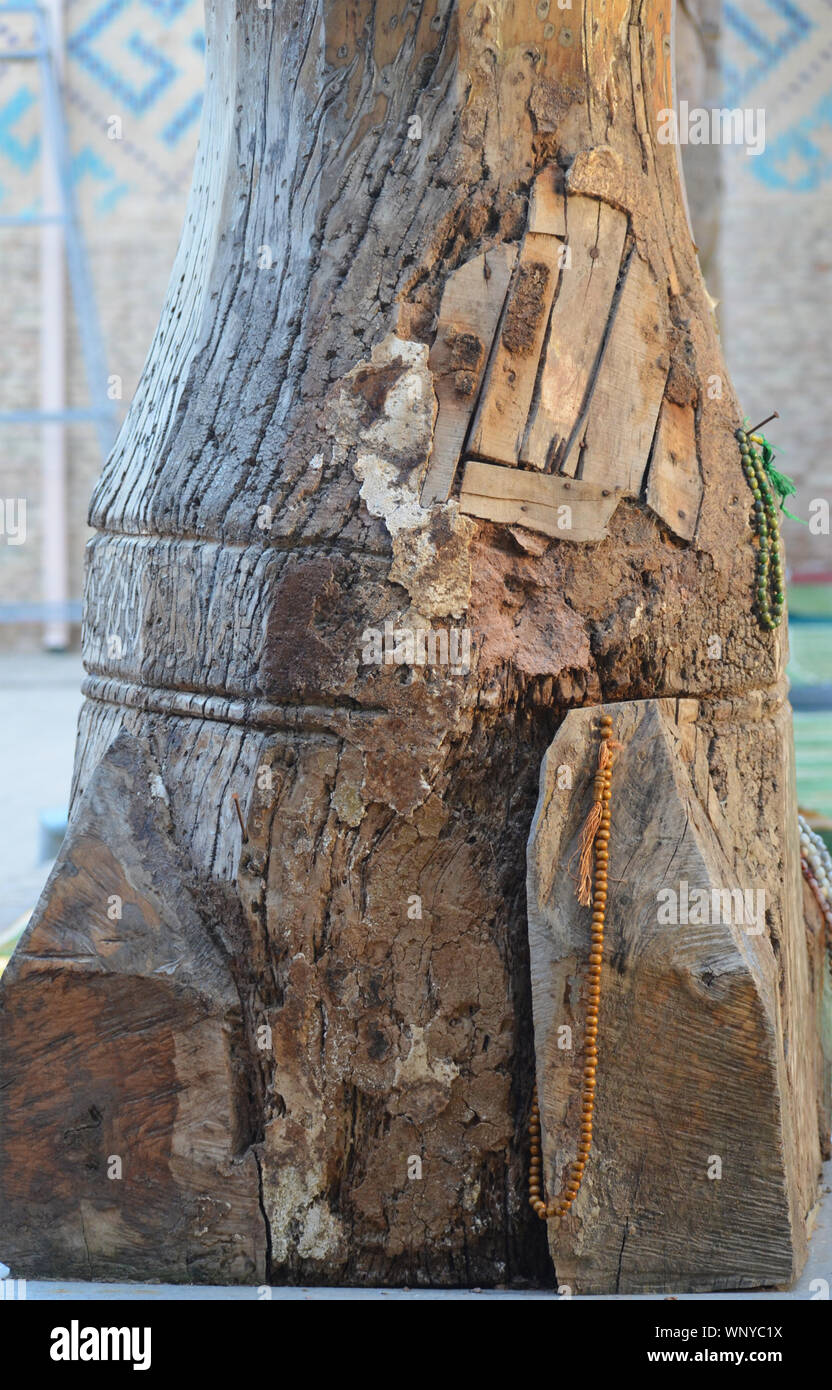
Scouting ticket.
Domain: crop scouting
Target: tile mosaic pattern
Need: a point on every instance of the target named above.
(778, 55)
(139, 60)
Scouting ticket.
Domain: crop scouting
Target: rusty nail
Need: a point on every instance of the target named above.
(236, 800)
(775, 416)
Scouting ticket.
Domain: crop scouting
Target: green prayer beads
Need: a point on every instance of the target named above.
(769, 576)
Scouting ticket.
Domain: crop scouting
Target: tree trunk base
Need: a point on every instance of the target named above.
(125, 1113)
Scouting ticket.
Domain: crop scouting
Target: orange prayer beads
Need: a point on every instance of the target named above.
(600, 815)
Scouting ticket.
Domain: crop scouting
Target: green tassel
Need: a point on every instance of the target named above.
(781, 484)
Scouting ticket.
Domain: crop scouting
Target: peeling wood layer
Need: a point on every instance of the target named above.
(595, 238)
(471, 306)
(612, 441)
(501, 417)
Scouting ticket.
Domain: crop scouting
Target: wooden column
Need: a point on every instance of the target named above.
(436, 359)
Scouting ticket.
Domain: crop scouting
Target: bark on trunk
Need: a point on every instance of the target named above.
(382, 398)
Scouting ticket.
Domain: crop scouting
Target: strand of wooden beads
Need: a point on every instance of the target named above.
(601, 806)
(769, 592)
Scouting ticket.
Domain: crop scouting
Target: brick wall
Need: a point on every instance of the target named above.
(140, 61)
(776, 244)
(760, 223)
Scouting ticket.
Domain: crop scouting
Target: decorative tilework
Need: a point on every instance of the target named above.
(140, 60)
(801, 160)
(167, 10)
(144, 80)
(183, 120)
(87, 162)
(21, 152)
(776, 241)
(757, 39)
(778, 55)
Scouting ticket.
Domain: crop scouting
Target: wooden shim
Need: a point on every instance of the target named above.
(547, 204)
(703, 1047)
(612, 442)
(595, 237)
(674, 483)
(121, 1034)
(501, 417)
(539, 502)
(472, 301)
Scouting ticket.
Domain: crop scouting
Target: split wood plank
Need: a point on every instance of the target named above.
(674, 483)
(648, 1216)
(567, 508)
(612, 443)
(501, 417)
(472, 302)
(595, 238)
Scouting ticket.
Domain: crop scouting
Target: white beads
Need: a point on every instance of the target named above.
(816, 864)
(816, 855)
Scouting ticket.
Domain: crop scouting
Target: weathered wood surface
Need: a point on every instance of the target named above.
(259, 525)
(612, 440)
(126, 1108)
(472, 302)
(674, 484)
(595, 238)
(820, 975)
(547, 203)
(706, 1150)
(500, 422)
(562, 507)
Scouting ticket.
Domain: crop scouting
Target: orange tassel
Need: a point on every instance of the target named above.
(591, 824)
(587, 840)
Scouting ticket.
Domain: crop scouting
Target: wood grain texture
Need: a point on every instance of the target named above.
(500, 422)
(612, 441)
(674, 483)
(820, 980)
(547, 203)
(121, 1033)
(472, 302)
(259, 529)
(561, 507)
(595, 235)
(698, 1026)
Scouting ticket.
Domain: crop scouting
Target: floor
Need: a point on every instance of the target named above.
(40, 698)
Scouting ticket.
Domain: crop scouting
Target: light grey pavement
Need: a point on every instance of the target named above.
(40, 697)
